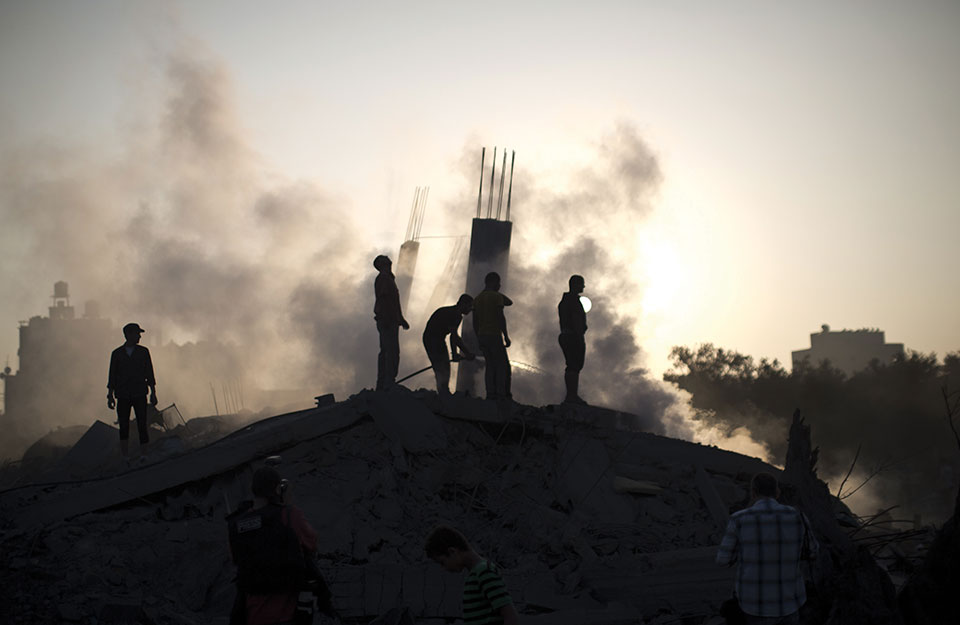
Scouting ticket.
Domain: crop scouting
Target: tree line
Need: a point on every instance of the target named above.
(891, 417)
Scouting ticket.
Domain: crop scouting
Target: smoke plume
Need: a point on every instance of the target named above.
(187, 233)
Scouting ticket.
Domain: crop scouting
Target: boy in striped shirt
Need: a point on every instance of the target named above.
(485, 597)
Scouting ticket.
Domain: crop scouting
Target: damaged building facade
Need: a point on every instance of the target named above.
(55, 382)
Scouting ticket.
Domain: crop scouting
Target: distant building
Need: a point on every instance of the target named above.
(848, 350)
(62, 372)
(62, 376)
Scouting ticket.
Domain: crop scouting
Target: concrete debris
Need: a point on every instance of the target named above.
(589, 523)
(402, 418)
(325, 400)
(712, 499)
(635, 487)
(97, 444)
(847, 586)
(53, 446)
(27, 506)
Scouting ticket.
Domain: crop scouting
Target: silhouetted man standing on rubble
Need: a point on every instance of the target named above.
(389, 318)
(573, 326)
(442, 322)
(767, 541)
(490, 326)
(131, 372)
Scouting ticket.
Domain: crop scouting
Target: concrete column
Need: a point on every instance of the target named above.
(406, 265)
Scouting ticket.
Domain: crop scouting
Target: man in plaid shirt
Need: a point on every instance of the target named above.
(767, 542)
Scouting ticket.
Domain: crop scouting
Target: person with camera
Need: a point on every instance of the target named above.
(274, 548)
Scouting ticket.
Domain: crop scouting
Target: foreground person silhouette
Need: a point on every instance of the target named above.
(274, 548)
(442, 322)
(766, 542)
(573, 326)
(389, 318)
(490, 326)
(131, 372)
(485, 597)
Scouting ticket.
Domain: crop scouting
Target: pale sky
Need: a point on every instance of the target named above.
(810, 151)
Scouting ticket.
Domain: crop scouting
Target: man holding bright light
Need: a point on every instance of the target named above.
(573, 326)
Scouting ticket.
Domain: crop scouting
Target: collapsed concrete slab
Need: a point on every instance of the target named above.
(30, 506)
(53, 445)
(553, 500)
(97, 447)
(402, 418)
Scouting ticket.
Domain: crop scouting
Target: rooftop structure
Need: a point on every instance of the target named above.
(848, 350)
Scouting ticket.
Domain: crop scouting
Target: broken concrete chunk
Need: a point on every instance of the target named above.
(178, 532)
(710, 496)
(402, 418)
(459, 406)
(635, 487)
(325, 400)
(69, 612)
(658, 510)
(585, 479)
(541, 592)
(123, 614)
(394, 616)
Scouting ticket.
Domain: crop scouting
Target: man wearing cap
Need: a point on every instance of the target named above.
(389, 318)
(131, 372)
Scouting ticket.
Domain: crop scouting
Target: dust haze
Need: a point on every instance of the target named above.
(187, 232)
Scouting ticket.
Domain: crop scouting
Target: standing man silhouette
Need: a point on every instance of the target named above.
(573, 326)
(131, 372)
(442, 322)
(490, 326)
(389, 318)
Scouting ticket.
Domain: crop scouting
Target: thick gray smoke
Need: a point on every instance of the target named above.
(588, 227)
(185, 234)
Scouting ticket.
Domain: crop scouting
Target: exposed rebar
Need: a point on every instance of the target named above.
(420, 213)
(493, 169)
(513, 155)
(503, 168)
(483, 154)
(413, 212)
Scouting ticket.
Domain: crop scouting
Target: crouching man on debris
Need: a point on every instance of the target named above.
(274, 548)
(442, 322)
(485, 597)
(767, 542)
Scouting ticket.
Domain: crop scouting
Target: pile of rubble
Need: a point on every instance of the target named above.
(590, 520)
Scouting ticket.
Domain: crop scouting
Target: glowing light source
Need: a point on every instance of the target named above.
(587, 304)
